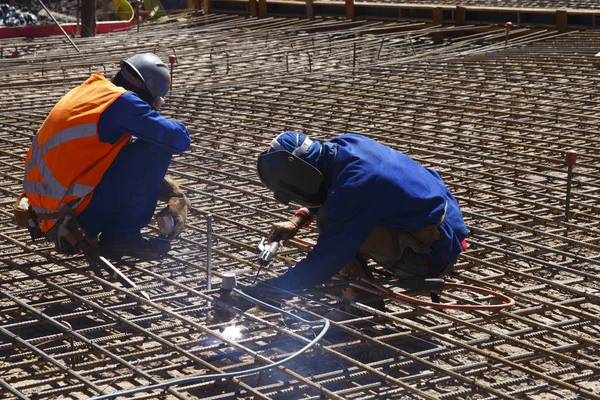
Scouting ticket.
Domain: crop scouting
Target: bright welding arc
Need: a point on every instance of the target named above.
(251, 371)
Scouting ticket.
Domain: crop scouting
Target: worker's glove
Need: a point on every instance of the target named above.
(172, 218)
(283, 231)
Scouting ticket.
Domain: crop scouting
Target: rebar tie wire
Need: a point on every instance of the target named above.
(251, 371)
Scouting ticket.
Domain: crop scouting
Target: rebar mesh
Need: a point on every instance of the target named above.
(494, 117)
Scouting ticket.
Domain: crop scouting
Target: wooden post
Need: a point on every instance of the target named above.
(349, 9)
(262, 8)
(252, 7)
(561, 20)
(205, 6)
(88, 18)
(438, 19)
(105, 12)
(310, 12)
(438, 16)
(77, 30)
(194, 5)
(461, 15)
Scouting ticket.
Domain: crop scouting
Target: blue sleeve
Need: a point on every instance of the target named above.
(130, 114)
(347, 227)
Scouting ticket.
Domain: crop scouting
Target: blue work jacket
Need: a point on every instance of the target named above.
(370, 184)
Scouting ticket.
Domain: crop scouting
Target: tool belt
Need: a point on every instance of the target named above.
(69, 237)
(66, 234)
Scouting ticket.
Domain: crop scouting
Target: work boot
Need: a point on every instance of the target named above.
(141, 248)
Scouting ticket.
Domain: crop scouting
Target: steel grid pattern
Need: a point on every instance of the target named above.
(495, 118)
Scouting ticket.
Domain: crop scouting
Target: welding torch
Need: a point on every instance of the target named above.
(266, 253)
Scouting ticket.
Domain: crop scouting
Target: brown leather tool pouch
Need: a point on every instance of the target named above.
(25, 218)
(21, 214)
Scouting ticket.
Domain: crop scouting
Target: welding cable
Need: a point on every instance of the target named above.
(227, 375)
(507, 301)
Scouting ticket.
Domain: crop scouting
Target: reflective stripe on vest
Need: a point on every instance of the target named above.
(51, 187)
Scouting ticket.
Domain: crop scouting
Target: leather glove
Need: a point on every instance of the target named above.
(283, 231)
(172, 218)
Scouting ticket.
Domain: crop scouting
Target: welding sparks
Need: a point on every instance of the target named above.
(232, 333)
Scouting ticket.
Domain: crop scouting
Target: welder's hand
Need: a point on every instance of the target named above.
(283, 231)
(172, 218)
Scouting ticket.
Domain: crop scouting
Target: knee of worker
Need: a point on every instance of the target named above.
(418, 266)
(356, 267)
(350, 293)
(138, 170)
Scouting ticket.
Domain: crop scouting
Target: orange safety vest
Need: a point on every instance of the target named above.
(66, 159)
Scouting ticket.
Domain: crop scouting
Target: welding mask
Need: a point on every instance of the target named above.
(152, 76)
(291, 178)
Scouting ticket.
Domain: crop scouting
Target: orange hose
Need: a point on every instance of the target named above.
(508, 302)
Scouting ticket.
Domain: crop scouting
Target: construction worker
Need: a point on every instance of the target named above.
(103, 151)
(369, 202)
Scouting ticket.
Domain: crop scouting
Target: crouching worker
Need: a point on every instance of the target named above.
(369, 202)
(100, 159)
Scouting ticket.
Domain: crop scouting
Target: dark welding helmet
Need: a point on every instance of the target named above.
(291, 178)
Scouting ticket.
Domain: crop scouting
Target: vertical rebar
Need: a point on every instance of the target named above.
(208, 251)
(411, 44)
(172, 61)
(380, 48)
(570, 161)
(137, 15)
(508, 26)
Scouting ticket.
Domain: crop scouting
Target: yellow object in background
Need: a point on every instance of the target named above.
(155, 9)
(123, 10)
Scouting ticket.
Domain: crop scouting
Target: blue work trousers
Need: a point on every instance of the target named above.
(125, 199)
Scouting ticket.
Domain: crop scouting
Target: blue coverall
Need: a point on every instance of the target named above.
(125, 199)
(370, 185)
